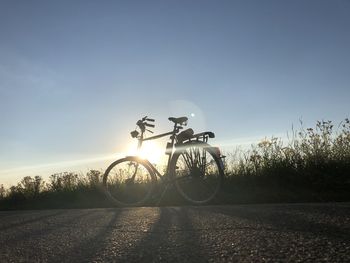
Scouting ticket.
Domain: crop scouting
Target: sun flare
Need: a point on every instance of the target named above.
(150, 150)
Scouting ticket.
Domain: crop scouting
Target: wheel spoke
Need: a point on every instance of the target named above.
(188, 159)
(128, 182)
(200, 175)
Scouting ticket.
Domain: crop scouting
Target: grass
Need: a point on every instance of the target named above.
(313, 165)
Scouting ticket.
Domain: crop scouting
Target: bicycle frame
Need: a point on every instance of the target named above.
(173, 133)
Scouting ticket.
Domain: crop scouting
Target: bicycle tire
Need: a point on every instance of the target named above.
(129, 181)
(196, 179)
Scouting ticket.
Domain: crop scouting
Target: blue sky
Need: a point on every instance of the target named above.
(76, 75)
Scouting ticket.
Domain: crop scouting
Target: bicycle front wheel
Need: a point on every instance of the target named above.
(198, 172)
(129, 182)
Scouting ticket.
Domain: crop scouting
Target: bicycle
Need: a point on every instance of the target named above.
(193, 166)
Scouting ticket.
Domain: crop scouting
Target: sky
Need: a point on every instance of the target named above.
(75, 76)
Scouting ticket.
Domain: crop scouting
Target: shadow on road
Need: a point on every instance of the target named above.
(40, 229)
(94, 241)
(288, 218)
(173, 234)
(29, 221)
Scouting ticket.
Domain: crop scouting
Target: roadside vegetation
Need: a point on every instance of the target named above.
(62, 190)
(313, 165)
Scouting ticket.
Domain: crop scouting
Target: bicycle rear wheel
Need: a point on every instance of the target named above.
(198, 172)
(129, 182)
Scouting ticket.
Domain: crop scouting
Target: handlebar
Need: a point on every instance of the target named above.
(142, 124)
(147, 119)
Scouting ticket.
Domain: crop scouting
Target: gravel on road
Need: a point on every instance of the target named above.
(234, 233)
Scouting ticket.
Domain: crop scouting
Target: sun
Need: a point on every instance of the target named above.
(150, 150)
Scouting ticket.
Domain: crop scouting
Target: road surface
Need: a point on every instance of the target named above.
(238, 233)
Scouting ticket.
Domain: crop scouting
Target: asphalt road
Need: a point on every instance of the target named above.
(245, 233)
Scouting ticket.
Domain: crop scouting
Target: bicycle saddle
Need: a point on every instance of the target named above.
(179, 120)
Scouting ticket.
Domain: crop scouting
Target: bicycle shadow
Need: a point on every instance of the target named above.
(171, 238)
